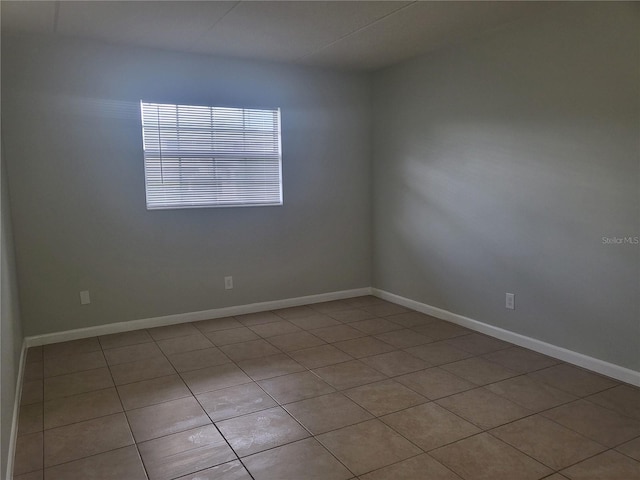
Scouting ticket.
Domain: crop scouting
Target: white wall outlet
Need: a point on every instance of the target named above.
(510, 301)
(85, 299)
(228, 283)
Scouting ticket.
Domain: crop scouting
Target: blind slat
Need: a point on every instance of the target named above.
(197, 156)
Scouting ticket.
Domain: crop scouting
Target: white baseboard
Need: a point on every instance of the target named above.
(120, 327)
(13, 436)
(599, 366)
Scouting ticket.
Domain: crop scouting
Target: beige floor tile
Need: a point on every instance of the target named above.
(120, 464)
(316, 320)
(294, 387)
(34, 354)
(258, 318)
(28, 455)
(231, 335)
(412, 319)
(327, 412)
(170, 331)
(384, 309)
(260, 431)
(272, 329)
(338, 333)
(530, 393)
(483, 408)
(215, 324)
(166, 418)
(374, 326)
(132, 353)
(364, 347)
(520, 360)
(442, 330)
(623, 399)
(186, 343)
(415, 468)
(91, 437)
(483, 457)
(479, 371)
(227, 471)
(30, 419)
(246, 350)
(631, 449)
(296, 341)
(395, 363)
(330, 306)
(37, 475)
(141, 370)
(429, 425)
(382, 398)
(364, 300)
(573, 380)
(75, 383)
(32, 392)
(438, 353)
(435, 383)
(367, 446)
(187, 361)
(214, 378)
(350, 315)
(294, 312)
(71, 363)
(33, 371)
(304, 459)
(403, 338)
(151, 392)
(186, 452)
(348, 374)
(84, 406)
(546, 441)
(477, 344)
(72, 347)
(268, 367)
(124, 339)
(320, 356)
(605, 426)
(609, 465)
(235, 401)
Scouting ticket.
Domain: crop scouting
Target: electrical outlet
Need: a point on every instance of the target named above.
(510, 301)
(85, 299)
(228, 283)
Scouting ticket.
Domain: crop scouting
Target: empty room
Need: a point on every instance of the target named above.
(311, 240)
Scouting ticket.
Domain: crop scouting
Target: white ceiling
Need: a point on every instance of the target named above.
(362, 35)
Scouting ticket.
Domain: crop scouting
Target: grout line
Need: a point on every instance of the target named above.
(135, 443)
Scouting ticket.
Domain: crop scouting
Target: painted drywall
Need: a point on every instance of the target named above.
(500, 165)
(74, 155)
(10, 326)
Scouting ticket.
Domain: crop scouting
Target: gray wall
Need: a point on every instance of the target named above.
(10, 327)
(500, 164)
(74, 152)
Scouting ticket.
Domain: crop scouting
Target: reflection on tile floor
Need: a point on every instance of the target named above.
(350, 389)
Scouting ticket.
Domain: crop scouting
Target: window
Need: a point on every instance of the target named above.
(211, 156)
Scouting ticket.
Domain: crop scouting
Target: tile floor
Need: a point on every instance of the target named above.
(351, 389)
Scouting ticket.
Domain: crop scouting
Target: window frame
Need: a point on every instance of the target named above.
(272, 167)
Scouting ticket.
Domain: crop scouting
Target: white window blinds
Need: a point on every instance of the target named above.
(211, 156)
